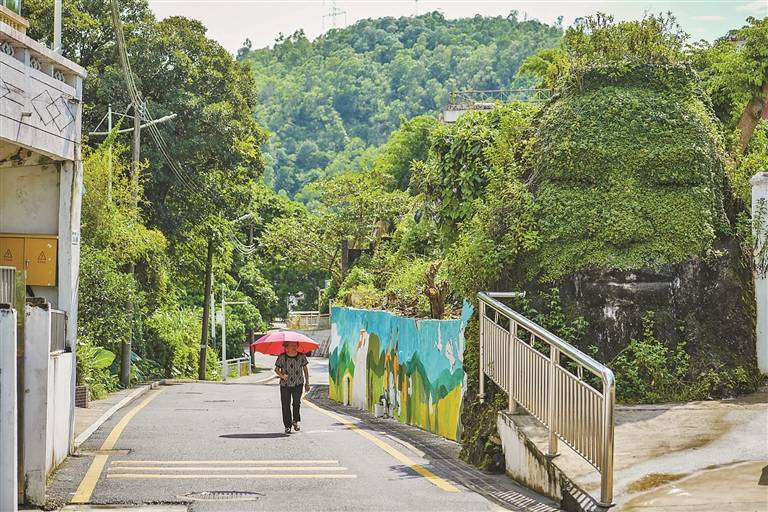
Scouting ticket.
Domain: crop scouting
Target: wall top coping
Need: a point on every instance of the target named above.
(761, 178)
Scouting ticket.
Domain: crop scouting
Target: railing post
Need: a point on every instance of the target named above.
(512, 405)
(481, 393)
(554, 360)
(606, 463)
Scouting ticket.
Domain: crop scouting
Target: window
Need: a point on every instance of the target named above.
(14, 5)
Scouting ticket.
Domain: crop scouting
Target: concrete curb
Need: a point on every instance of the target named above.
(85, 434)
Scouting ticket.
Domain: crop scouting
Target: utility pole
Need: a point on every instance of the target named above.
(206, 307)
(224, 304)
(109, 177)
(125, 349)
(125, 356)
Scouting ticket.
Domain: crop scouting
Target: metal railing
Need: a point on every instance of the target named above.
(58, 331)
(471, 98)
(241, 364)
(8, 285)
(546, 376)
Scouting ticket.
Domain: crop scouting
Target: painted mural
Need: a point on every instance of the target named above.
(415, 366)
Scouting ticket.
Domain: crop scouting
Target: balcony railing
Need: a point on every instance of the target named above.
(58, 331)
(566, 390)
(10, 14)
(40, 93)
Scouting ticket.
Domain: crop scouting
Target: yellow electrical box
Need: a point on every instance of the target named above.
(35, 254)
(12, 252)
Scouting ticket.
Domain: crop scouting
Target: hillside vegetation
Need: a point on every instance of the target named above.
(326, 101)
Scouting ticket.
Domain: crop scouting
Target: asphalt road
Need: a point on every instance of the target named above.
(180, 443)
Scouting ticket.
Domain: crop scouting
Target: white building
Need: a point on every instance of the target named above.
(40, 191)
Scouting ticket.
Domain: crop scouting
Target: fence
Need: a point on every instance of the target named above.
(469, 98)
(58, 331)
(242, 365)
(546, 376)
(308, 320)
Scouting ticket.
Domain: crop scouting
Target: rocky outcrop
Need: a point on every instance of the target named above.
(706, 301)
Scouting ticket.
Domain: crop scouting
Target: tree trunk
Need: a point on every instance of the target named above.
(749, 119)
(435, 292)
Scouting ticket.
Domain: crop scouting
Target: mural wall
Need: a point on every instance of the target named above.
(415, 365)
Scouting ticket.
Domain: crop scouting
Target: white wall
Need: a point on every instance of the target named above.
(29, 199)
(8, 427)
(760, 192)
(60, 403)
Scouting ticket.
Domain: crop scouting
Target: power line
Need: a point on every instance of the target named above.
(187, 180)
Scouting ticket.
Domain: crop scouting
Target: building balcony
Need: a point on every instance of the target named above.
(40, 96)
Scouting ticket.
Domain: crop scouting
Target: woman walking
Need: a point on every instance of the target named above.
(291, 368)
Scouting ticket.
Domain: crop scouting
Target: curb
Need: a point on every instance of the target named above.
(85, 434)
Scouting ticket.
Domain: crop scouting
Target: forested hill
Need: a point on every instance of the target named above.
(326, 101)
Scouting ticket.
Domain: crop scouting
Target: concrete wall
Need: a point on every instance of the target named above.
(527, 464)
(8, 411)
(417, 365)
(37, 335)
(48, 403)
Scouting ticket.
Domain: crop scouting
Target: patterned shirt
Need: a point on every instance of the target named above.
(294, 367)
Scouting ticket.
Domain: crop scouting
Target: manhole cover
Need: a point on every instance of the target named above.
(222, 496)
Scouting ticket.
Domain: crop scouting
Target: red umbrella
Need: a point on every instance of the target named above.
(272, 343)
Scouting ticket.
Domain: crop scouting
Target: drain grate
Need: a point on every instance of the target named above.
(222, 496)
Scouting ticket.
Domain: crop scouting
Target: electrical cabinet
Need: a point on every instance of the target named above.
(34, 253)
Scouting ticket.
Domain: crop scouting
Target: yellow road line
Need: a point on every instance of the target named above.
(434, 479)
(245, 468)
(88, 484)
(281, 461)
(281, 475)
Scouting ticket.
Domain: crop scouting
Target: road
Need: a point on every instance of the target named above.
(178, 444)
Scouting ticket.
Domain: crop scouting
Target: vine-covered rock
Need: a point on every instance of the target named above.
(630, 187)
(630, 171)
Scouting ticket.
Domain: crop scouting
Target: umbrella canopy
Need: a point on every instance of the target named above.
(272, 343)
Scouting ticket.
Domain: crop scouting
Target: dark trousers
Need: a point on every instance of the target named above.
(288, 393)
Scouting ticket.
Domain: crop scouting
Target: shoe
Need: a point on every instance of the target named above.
(296, 426)
(287, 430)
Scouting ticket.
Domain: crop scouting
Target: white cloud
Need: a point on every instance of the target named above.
(756, 6)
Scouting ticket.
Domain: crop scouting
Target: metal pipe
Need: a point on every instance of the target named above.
(481, 393)
(554, 355)
(606, 470)
(56, 26)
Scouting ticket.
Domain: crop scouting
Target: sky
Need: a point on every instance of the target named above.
(232, 21)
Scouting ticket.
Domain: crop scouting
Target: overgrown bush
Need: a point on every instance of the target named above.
(648, 371)
(173, 337)
(358, 290)
(93, 368)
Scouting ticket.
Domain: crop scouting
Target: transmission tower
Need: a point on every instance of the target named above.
(333, 13)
